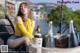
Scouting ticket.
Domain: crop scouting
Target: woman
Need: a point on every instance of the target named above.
(24, 27)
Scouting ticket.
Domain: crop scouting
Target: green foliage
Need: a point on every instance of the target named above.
(55, 14)
(77, 19)
(68, 14)
(2, 13)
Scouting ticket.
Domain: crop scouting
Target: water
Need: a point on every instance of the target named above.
(45, 26)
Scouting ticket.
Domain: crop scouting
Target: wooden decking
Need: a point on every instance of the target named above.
(61, 50)
(55, 50)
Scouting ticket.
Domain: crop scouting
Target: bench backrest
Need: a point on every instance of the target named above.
(5, 26)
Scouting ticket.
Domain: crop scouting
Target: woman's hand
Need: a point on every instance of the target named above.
(27, 41)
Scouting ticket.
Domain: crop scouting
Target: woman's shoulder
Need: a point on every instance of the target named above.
(18, 18)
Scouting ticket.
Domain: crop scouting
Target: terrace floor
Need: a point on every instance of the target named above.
(56, 50)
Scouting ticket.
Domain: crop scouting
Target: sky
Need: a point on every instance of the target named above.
(74, 6)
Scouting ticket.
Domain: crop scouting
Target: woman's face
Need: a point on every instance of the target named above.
(24, 9)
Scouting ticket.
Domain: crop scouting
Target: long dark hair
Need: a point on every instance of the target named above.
(21, 14)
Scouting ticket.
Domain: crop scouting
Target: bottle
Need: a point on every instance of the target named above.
(50, 38)
(38, 37)
(73, 41)
(37, 32)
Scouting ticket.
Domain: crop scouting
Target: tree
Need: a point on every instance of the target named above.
(2, 12)
(68, 14)
(77, 20)
(55, 14)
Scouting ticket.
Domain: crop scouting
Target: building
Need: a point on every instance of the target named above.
(41, 10)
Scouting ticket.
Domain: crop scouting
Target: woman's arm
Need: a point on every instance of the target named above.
(30, 25)
(22, 28)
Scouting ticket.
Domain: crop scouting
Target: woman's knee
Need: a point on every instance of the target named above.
(15, 42)
(10, 43)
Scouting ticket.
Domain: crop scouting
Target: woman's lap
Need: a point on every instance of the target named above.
(13, 37)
